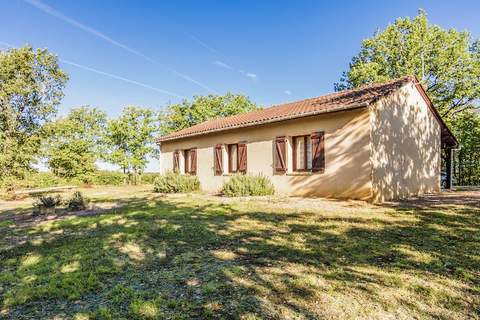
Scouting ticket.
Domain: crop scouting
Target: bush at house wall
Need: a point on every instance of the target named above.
(172, 182)
(248, 185)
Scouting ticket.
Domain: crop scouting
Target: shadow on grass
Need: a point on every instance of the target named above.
(189, 257)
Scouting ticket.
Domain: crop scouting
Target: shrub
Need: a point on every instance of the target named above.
(77, 202)
(248, 185)
(113, 178)
(46, 204)
(172, 182)
(148, 177)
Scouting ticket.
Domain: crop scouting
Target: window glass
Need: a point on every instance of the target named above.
(232, 158)
(187, 161)
(303, 153)
(300, 153)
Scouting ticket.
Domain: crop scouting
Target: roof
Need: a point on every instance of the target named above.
(338, 101)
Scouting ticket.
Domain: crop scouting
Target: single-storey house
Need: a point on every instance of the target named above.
(377, 142)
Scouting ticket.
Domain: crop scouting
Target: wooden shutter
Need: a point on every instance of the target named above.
(218, 160)
(280, 154)
(176, 161)
(242, 157)
(193, 161)
(318, 152)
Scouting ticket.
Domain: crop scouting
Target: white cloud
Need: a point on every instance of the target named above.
(288, 92)
(251, 75)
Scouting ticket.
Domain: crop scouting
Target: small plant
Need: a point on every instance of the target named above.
(47, 204)
(172, 182)
(77, 202)
(248, 185)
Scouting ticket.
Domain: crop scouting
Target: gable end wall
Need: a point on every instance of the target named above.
(405, 146)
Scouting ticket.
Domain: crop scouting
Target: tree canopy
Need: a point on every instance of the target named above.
(31, 87)
(201, 108)
(74, 142)
(446, 61)
(130, 139)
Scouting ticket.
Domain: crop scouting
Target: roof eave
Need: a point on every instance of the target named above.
(252, 124)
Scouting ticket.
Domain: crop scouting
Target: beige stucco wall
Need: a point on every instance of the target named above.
(347, 155)
(405, 146)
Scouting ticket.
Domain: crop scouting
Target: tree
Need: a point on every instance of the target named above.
(467, 158)
(446, 61)
(74, 143)
(31, 87)
(202, 108)
(130, 139)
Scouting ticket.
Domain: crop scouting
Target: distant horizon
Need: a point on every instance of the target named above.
(151, 54)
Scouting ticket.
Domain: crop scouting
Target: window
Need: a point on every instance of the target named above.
(237, 157)
(308, 152)
(302, 153)
(190, 158)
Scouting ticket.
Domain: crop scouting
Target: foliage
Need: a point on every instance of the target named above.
(201, 108)
(105, 178)
(447, 61)
(467, 158)
(31, 87)
(130, 139)
(173, 182)
(201, 257)
(49, 201)
(77, 202)
(74, 143)
(248, 185)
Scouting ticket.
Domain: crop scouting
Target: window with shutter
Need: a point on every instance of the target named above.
(242, 157)
(218, 160)
(280, 154)
(318, 152)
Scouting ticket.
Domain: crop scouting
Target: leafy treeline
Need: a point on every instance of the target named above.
(447, 62)
(31, 88)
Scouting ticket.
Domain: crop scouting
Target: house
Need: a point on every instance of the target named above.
(377, 142)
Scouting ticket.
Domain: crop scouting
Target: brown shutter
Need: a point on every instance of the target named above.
(193, 161)
(280, 154)
(318, 152)
(242, 157)
(176, 161)
(218, 160)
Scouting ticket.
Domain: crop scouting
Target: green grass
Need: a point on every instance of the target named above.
(204, 257)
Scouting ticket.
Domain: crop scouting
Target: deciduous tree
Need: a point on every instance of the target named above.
(130, 139)
(446, 61)
(31, 87)
(188, 113)
(74, 143)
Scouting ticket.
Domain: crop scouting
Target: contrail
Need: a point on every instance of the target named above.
(203, 44)
(123, 79)
(112, 76)
(57, 14)
(219, 63)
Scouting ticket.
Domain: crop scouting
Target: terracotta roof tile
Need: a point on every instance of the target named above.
(343, 100)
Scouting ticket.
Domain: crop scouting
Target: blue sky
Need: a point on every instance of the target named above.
(151, 53)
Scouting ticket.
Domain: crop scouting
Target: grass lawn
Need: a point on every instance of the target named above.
(146, 256)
